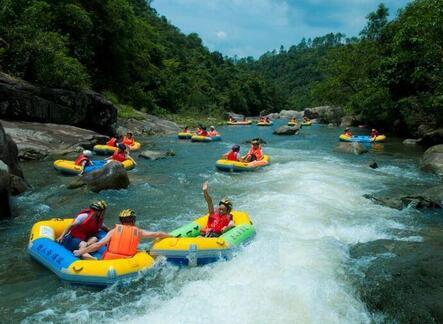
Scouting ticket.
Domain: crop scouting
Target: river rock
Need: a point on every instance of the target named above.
(235, 116)
(404, 281)
(112, 176)
(325, 114)
(262, 141)
(287, 130)
(432, 160)
(288, 114)
(36, 141)
(146, 124)
(411, 141)
(349, 121)
(11, 175)
(156, 155)
(20, 100)
(423, 129)
(432, 138)
(353, 148)
(373, 165)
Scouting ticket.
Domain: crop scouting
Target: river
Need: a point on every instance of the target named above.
(308, 209)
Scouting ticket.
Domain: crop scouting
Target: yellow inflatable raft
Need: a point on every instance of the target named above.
(108, 150)
(69, 167)
(242, 122)
(43, 248)
(292, 123)
(362, 138)
(307, 123)
(236, 166)
(183, 135)
(264, 123)
(187, 247)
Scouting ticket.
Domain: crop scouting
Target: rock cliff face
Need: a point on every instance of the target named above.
(20, 100)
(325, 114)
(11, 176)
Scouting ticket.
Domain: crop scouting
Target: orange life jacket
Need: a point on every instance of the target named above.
(212, 133)
(119, 156)
(123, 243)
(81, 158)
(257, 152)
(128, 141)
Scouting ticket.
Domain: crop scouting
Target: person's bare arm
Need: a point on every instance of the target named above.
(94, 247)
(147, 235)
(60, 238)
(208, 198)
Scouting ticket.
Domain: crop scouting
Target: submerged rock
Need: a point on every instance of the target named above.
(112, 176)
(156, 155)
(432, 160)
(287, 130)
(411, 141)
(352, 148)
(373, 165)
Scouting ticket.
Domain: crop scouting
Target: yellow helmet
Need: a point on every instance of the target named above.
(99, 205)
(127, 213)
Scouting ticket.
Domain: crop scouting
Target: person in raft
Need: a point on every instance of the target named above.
(85, 226)
(233, 154)
(186, 130)
(374, 133)
(122, 241)
(115, 140)
(219, 219)
(306, 119)
(294, 120)
(347, 132)
(232, 120)
(212, 132)
(267, 120)
(84, 160)
(203, 132)
(128, 140)
(120, 154)
(255, 153)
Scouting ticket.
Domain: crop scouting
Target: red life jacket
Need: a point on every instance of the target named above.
(119, 156)
(88, 227)
(217, 222)
(374, 134)
(112, 142)
(257, 152)
(123, 243)
(82, 158)
(203, 133)
(232, 156)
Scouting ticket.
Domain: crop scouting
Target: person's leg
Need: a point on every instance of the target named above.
(83, 244)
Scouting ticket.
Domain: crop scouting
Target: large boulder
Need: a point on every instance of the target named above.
(112, 176)
(411, 141)
(291, 114)
(272, 116)
(348, 121)
(11, 175)
(432, 160)
(287, 130)
(147, 124)
(235, 116)
(36, 141)
(325, 114)
(156, 155)
(20, 100)
(351, 148)
(433, 137)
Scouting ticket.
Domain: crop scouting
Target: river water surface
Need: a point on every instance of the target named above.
(307, 208)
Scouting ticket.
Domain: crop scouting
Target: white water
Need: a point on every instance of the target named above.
(306, 214)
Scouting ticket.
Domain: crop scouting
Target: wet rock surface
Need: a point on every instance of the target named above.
(35, 141)
(156, 155)
(404, 282)
(146, 124)
(287, 130)
(112, 176)
(350, 148)
(432, 160)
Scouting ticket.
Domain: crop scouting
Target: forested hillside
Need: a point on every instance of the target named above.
(392, 73)
(126, 50)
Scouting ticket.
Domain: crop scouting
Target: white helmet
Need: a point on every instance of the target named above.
(87, 153)
(212, 127)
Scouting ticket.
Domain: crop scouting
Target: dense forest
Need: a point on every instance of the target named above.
(124, 49)
(392, 72)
